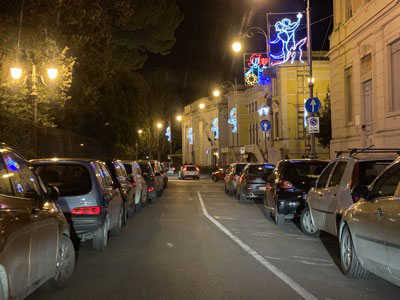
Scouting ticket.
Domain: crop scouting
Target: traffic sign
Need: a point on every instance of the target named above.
(313, 125)
(265, 125)
(313, 105)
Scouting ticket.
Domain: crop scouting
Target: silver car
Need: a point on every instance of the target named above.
(137, 180)
(189, 171)
(370, 229)
(331, 196)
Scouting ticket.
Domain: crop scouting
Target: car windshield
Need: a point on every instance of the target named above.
(260, 169)
(304, 171)
(71, 180)
(369, 170)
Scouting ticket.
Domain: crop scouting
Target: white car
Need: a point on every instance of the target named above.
(370, 229)
(189, 171)
(331, 196)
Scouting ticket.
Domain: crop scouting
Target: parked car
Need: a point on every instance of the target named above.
(153, 180)
(218, 174)
(89, 198)
(370, 229)
(253, 181)
(164, 174)
(287, 187)
(331, 196)
(137, 180)
(127, 190)
(232, 177)
(35, 240)
(171, 170)
(189, 171)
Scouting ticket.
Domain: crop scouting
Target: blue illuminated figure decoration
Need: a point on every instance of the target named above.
(286, 35)
(233, 119)
(190, 135)
(254, 74)
(214, 128)
(168, 133)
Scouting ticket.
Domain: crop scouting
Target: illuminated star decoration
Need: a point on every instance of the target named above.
(263, 110)
(214, 128)
(233, 119)
(190, 135)
(168, 133)
(286, 35)
(255, 74)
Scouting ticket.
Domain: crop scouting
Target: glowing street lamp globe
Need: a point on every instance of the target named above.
(159, 125)
(140, 131)
(216, 93)
(202, 105)
(16, 73)
(179, 118)
(236, 46)
(52, 73)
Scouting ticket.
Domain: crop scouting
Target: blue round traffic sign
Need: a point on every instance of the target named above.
(265, 125)
(313, 121)
(313, 105)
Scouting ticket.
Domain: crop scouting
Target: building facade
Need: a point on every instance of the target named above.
(365, 77)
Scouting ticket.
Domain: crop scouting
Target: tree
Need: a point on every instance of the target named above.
(325, 128)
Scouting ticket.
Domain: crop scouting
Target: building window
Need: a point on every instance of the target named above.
(395, 67)
(251, 133)
(256, 125)
(348, 94)
(349, 9)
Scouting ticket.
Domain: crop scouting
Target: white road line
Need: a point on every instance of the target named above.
(278, 273)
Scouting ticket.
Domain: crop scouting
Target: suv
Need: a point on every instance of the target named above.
(287, 187)
(128, 191)
(232, 177)
(331, 195)
(189, 171)
(253, 182)
(370, 229)
(154, 183)
(137, 180)
(89, 198)
(35, 243)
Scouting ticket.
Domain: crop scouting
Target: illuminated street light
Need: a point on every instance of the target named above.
(237, 46)
(179, 118)
(16, 73)
(312, 80)
(159, 125)
(216, 93)
(52, 73)
(140, 131)
(202, 105)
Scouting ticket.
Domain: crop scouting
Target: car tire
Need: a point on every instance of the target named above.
(100, 237)
(351, 266)
(126, 212)
(267, 213)
(230, 192)
(65, 264)
(242, 198)
(116, 230)
(226, 190)
(307, 225)
(198, 178)
(278, 218)
(138, 207)
(214, 178)
(154, 199)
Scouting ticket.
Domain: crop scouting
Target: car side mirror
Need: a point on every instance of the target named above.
(360, 191)
(52, 192)
(158, 174)
(116, 185)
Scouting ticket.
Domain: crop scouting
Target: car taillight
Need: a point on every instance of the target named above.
(150, 189)
(184, 169)
(87, 210)
(285, 184)
(197, 169)
(173, 169)
(133, 183)
(233, 177)
(269, 186)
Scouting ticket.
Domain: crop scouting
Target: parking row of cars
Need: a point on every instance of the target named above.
(49, 206)
(355, 197)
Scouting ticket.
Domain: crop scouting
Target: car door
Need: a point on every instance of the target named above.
(330, 202)
(43, 218)
(392, 226)
(272, 185)
(16, 234)
(112, 196)
(369, 221)
(318, 195)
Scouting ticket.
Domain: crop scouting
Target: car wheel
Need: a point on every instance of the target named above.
(351, 266)
(214, 178)
(230, 192)
(306, 223)
(226, 190)
(242, 198)
(125, 215)
(278, 218)
(100, 237)
(65, 263)
(154, 199)
(116, 230)
(138, 207)
(267, 213)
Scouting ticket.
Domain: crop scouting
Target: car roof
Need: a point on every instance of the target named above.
(63, 160)
(294, 161)
(350, 158)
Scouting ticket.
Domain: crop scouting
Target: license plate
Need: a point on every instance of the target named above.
(262, 188)
(191, 173)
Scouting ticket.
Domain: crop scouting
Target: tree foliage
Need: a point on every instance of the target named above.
(325, 128)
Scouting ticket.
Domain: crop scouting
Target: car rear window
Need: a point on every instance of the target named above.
(71, 180)
(128, 168)
(145, 168)
(239, 168)
(260, 169)
(191, 168)
(304, 171)
(369, 170)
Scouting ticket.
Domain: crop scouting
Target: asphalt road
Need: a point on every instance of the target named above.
(198, 243)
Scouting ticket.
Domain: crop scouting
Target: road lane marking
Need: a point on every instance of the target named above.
(170, 245)
(278, 273)
(312, 258)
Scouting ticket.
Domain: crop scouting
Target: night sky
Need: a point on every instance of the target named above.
(202, 57)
